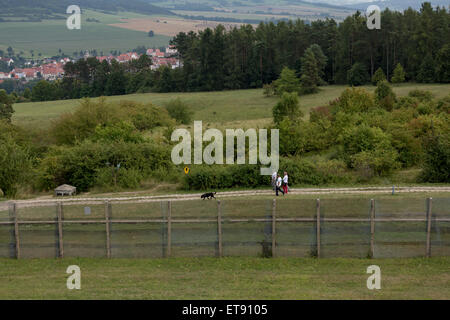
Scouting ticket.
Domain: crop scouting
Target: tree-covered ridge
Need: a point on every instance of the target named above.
(247, 57)
(35, 10)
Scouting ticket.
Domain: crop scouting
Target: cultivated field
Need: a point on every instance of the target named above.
(170, 26)
(227, 278)
(241, 108)
(48, 36)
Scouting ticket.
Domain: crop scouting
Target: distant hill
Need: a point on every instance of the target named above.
(398, 4)
(35, 10)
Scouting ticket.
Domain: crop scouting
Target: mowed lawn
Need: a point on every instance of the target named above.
(239, 108)
(225, 278)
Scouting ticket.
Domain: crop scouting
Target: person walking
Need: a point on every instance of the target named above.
(278, 186)
(274, 180)
(285, 182)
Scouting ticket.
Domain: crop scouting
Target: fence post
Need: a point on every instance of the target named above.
(318, 226)
(60, 231)
(219, 227)
(169, 228)
(372, 227)
(429, 207)
(16, 230)
(274, 210)
(108, 231)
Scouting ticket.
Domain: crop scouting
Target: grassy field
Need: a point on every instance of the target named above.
(241, 108)
(48, 36)
(227, 278)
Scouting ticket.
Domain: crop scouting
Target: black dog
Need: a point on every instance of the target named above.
(209, 195)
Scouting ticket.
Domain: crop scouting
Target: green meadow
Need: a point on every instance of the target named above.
(226, 278)
(240, 108)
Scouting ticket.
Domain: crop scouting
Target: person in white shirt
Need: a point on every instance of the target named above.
(285, 182)
(278, 186)
(274, 180)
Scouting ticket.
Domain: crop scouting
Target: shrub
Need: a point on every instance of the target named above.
(437, 159)
(269, 89)
(384, 95)
(15, 165)
(421, 95)
(353, 100)
(287, 107)
(79, 165)
(179, 111)
(365, 147)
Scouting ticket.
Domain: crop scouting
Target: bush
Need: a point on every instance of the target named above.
(15, 165)
(384, 95)
(71, 128)
(287, 108)
(269, 89)
(366, 148)
(421, 95)
(179, 111)
(108, 179)
(353, 100)
(437, 159)
(79, 165)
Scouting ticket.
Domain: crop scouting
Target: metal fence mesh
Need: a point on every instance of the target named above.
(138, 240)
(345, 238)
(395, 227)
(38, 240)
(400, 238)
(296, 239)
(440, 230)
(252, 238)
(6, 235)
(84, 239)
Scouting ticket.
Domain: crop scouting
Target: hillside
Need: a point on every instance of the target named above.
(235, 108)
(36, 10)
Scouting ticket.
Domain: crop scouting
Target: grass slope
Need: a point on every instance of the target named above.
(226, 278)
(241, 108)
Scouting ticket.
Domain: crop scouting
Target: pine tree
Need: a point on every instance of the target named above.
(378, 76)
(287, 82)
(357, 75)
(443, 64)
(399, 74)
(310, 78)
(426, 72)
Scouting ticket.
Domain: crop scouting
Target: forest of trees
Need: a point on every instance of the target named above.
(248, 57)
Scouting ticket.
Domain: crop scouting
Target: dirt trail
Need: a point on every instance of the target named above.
(225, 194)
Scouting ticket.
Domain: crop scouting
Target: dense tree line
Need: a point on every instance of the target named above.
(246, 57)
(416, 44)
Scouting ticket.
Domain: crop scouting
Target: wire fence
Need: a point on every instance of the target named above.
(288, 227)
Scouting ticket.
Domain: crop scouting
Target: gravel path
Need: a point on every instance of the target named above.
(225, 194)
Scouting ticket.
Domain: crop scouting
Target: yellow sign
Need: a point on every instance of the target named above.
(186, 170)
